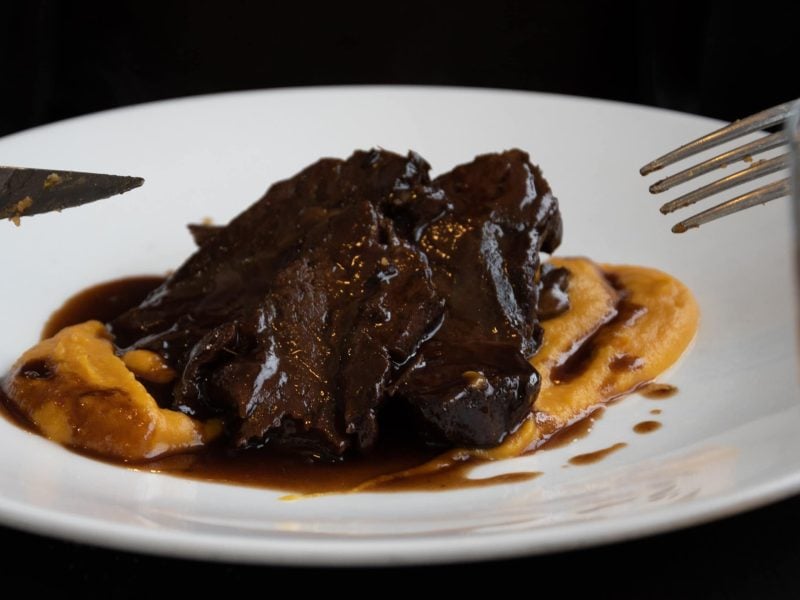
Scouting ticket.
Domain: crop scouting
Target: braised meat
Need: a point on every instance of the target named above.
(359, 288)
(484, 254)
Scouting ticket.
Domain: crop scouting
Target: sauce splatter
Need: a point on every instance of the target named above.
(646, 426)
(657, 391)
(596, 456)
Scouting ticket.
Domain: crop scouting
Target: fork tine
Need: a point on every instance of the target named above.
(756, 146)
(760, 195)
(763, 167)
(760, 120)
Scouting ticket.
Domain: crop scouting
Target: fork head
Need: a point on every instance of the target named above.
(755, 170)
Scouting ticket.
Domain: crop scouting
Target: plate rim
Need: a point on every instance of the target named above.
(378, 551)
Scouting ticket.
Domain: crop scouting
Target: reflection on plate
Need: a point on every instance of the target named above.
(727, 437)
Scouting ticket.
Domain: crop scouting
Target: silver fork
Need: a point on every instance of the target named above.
(760, 168)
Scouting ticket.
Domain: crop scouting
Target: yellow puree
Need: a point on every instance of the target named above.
(657, 338)
(92, 400)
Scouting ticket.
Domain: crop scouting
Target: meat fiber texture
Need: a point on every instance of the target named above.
(357, 291)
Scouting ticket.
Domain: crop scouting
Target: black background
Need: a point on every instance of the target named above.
(712, 58)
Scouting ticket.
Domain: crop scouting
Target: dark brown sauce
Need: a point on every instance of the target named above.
(576, 363)
(581, 357)
(262, 468)
(657, 391)
(102, 302)
(626, 362)
(598, 455)
(453, 477)
(578, 430)
(646, 426)
(655, 411)
(614, 281)
(9, 412)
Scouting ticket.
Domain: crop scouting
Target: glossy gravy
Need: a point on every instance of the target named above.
(393, 466)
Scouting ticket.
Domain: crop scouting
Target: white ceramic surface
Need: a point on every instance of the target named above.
(729, 440)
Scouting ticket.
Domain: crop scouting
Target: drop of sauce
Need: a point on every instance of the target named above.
(596, 456)
(578, 430)
(646, 426)
(655, 411)
(626, 362)
(657, 391)
(576, 363)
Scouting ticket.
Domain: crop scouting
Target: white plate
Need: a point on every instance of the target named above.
(729, 440)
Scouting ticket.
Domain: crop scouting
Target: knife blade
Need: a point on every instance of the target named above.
(25, 192)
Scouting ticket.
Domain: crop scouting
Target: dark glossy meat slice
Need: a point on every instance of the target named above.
(472, 384)
(506, 198)
(310, 364)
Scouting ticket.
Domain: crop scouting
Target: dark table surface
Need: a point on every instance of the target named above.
(65, 59)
